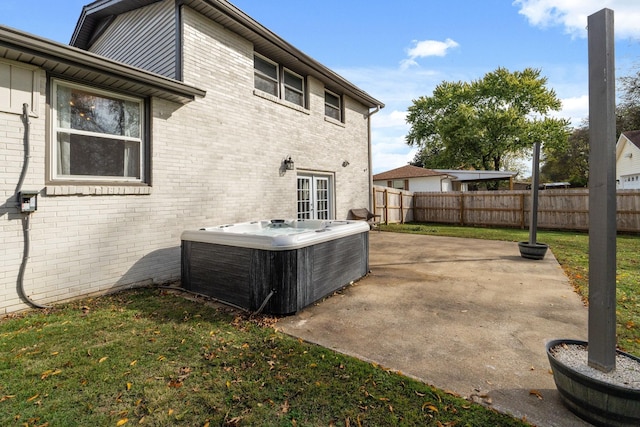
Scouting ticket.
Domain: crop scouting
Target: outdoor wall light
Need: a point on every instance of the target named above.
(345, 163)
(289, 164)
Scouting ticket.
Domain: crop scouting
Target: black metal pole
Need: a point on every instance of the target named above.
(602, 193)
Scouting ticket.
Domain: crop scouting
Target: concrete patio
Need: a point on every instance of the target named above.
(464, 315)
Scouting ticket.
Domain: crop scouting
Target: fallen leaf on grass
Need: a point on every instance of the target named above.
(5, 397)
(122, 422)
(102, 359)
(175, 384)
(630, 324)
(35, 396)
(235, 421)
(430, 407)
(49, 372)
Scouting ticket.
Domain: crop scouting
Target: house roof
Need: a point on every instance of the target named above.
(633, 136)
(77, 64)
(475, 175)
(95, 17)
(406, 172)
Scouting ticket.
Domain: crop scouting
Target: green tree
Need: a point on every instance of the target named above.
(477, 125)
(569, 163)
(628, 110)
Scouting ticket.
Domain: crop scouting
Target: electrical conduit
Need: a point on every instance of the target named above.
(26, 227)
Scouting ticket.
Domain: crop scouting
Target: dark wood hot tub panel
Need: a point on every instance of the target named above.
(245, 277)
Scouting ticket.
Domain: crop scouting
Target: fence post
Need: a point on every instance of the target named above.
(461, 208)
(386, 207)
(522, 223)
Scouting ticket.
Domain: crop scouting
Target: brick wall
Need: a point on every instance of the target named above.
(215, 160)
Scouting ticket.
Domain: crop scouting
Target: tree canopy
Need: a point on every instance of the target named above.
(477, 125)
(628, 110)
(569, 163)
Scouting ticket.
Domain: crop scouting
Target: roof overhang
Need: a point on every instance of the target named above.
(464, 176)
(77, 64)
(221, 11)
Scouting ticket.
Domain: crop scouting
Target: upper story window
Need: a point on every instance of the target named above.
(266, 75)
(97, 135)
(332, 105)
(278, 81)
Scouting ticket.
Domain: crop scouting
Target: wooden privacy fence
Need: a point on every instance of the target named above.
(393, 205)
(557, 209)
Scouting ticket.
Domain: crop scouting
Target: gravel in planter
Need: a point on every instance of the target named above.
(575, 356)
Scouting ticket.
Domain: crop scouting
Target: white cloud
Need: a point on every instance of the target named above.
(394, 118)
(575, 109)
(426, 48)
(572, 15)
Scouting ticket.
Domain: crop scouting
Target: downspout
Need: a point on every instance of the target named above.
(26, 227)
(369, 114)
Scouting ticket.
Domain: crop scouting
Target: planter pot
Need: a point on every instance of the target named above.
(594, 400)
(532, 250)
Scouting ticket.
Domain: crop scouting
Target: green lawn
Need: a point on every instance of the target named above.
(151, 357)
(571, 249)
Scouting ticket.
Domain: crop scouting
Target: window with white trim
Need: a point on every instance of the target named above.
(278, 81)
(314, 197)
(97, 135)
(332, 105)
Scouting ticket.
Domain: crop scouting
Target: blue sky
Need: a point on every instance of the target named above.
(400, 50)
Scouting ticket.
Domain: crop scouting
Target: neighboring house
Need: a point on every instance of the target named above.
(466, 180)
(163, 116)
(628, 160)
(414, 178)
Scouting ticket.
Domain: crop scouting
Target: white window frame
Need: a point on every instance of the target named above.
(309, 199)
(259, 73)
(333, 107)
(286, 87)
(282, 87)
(55, 129)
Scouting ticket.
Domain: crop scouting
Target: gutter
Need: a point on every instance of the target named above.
(368, 117)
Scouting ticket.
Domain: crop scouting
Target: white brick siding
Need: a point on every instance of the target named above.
(215, 160)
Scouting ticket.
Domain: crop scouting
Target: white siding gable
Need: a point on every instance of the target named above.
(627, 164)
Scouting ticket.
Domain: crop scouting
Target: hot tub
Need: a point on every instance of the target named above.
(279, 266)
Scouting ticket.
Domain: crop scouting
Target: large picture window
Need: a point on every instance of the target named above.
(97, 135)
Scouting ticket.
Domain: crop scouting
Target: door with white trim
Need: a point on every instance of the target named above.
(314, 197)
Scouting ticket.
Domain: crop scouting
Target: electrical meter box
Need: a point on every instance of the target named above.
(28, 201)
